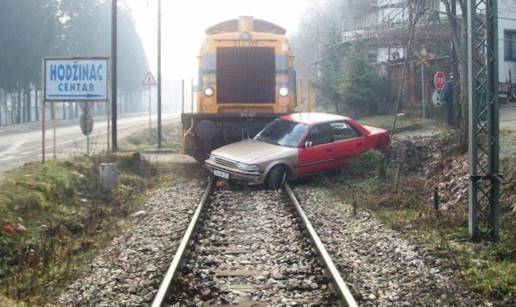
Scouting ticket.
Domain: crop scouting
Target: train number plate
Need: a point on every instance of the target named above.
(221, 174)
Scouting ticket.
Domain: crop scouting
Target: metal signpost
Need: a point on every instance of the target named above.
(80, 79)
(150, 81)
(423, 61)
(86, 123)
(484, 146)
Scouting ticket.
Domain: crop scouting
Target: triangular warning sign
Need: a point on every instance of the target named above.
(149, 79)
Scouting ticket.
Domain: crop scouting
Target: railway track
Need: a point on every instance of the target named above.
(251, 248)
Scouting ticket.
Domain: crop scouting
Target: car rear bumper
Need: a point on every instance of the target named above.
(253, 179)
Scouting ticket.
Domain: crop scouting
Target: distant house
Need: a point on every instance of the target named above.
(386, 37)
(387, 23)
(507, 42)
(386, 32)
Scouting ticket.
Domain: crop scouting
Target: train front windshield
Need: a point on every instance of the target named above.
(282, 132)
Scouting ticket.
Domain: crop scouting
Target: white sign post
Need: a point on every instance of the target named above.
(73, 80)
(150, 81)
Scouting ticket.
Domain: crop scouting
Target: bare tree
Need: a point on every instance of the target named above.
(458, 27)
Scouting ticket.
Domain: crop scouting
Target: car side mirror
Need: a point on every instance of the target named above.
(308, 144)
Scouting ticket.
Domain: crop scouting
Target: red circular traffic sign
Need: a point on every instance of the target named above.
(439, 80)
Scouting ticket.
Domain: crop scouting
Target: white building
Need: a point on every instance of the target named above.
(392, 14)
(507, 40)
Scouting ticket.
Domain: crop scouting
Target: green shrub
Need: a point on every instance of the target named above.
(364, 165)
(46, 209)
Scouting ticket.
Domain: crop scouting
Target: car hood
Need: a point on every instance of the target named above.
(251, 151)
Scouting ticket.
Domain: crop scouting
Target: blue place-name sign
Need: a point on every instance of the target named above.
(76, 79)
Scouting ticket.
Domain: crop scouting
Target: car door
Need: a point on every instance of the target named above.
(317, 152)
(348, 141)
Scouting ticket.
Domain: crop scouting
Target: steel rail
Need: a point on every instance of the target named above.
(345, 296)
(175, 266)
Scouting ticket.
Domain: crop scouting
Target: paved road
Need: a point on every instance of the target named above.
(508, 117)
(22, 143)
(507, 121)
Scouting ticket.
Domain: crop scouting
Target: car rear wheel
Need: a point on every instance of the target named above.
(277, 177)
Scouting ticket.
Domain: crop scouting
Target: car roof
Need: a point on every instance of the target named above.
(313, 118)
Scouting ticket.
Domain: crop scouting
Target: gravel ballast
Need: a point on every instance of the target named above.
(382, 268)
(251, 251)
(129, 271)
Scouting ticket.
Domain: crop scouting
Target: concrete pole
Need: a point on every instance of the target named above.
(159, 74)
(423, 91)
(114, 48)
(150, 108)
(192, 95)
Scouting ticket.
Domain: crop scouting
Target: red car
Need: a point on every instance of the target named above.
(296, 145)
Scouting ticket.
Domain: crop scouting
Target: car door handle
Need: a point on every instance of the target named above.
(360, 144)
(328, 150)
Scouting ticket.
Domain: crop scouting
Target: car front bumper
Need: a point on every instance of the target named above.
(248, 177)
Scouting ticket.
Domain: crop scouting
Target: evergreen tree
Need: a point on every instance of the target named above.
(330, 68)
(33, 29)
(363, 90)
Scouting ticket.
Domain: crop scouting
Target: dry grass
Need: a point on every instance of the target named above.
(54, 216)
(487, 268)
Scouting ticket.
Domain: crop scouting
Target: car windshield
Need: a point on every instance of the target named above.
(282, 132)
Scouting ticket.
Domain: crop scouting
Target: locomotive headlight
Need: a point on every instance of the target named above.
(208, 92)
(248, 167)
(283, 92)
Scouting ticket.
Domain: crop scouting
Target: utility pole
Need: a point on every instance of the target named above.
(159, 73)
(410, 47)
(114, 145)
(423, 94)
(484, 142)
(456, 76)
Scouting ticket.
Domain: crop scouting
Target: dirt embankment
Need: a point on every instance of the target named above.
(442, 164)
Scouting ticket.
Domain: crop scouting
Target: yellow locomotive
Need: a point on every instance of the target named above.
(246, 79)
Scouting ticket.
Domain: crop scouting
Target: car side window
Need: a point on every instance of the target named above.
(356, 133)
(344, 131)
(320, 134)
(341, 131)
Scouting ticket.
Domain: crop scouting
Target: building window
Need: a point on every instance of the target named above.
(510, 45)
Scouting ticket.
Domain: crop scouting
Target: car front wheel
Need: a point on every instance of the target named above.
(277, 177)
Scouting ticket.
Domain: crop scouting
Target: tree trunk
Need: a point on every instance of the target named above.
(24, 105)
(459, 39)
(12, 108)
(29, 105)
(1, 106)
(19, 106)
(337, 109)
(36, 104)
